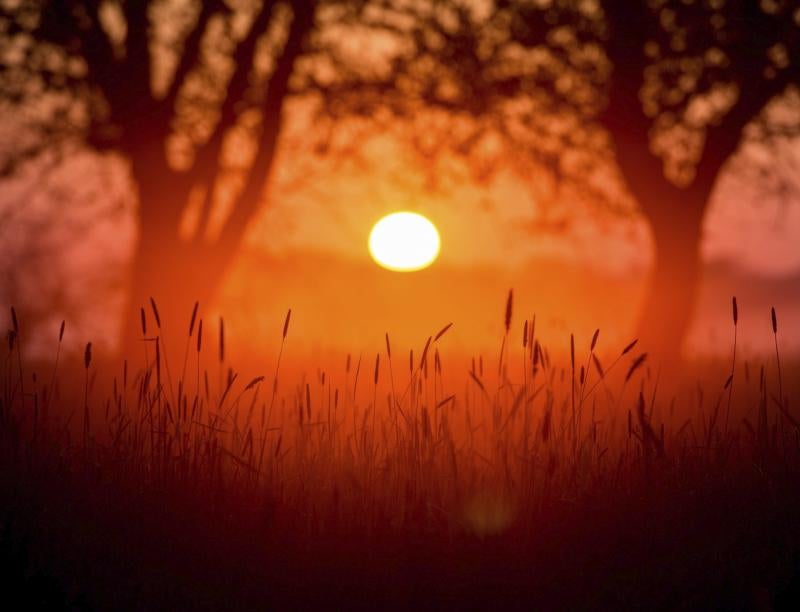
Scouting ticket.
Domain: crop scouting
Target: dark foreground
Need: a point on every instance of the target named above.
(543, 493)
(80, 542)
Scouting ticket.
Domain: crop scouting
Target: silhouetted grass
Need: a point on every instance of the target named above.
(536, 483)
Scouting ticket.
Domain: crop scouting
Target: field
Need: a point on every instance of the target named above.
(578, 476)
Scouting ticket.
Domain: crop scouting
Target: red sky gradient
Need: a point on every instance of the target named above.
(308, 251)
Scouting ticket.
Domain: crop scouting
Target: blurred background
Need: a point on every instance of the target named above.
(627, 166)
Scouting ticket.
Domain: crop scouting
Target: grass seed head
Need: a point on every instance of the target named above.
(594, 339)
(637, 363)
(572, 350)
(194, 318)
(509, 307)
(155, 312)
(442, 332)
(629, 348)
(424, 353)
(286, 323)
(221, 340)
(597, 365)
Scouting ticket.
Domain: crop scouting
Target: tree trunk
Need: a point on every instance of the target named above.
(674, 215)
(673, 283)
(174, 272)
(175, 275)
(675, 218)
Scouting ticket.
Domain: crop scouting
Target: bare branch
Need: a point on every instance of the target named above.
(272, 106)
(191, 48)
(206, 167)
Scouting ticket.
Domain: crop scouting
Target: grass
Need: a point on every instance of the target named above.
(543, 482)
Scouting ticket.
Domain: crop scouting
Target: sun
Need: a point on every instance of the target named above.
(404, 242)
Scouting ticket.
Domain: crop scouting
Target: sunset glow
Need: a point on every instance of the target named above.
(404, 242)
(400, 305)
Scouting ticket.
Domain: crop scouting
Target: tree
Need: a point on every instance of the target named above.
(630, 104)
(706, 72)
(192, 94)
(613, 100)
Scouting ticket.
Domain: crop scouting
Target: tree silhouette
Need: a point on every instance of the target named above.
(192, 94)
(635, 105)
(613, 101)
(687, 80)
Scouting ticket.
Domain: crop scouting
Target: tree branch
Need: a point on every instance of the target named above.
(191, 48)
(205, 167)
(272, 110)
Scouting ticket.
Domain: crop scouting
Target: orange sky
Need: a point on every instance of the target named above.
(496, 225)
(308, 251)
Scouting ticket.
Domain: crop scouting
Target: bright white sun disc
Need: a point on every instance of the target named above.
(404, 242)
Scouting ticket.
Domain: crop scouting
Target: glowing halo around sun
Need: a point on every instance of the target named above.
(404, 242)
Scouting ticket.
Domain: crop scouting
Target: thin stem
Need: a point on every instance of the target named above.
(778, 358)
(733, 371)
